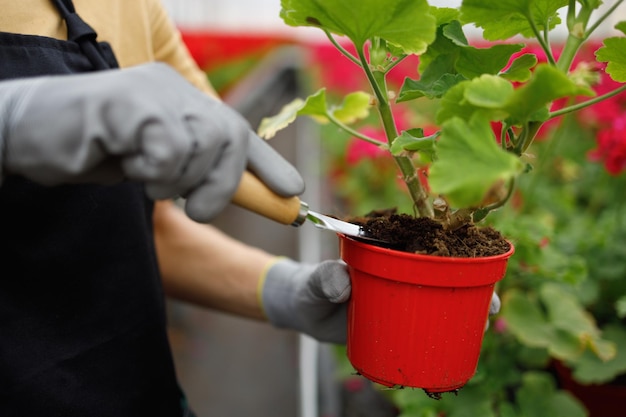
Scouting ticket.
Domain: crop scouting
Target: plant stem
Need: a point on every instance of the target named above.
(378, 92)
(394, 63)
(569, 51)
(577, 35)
(542, 42)
(341, 48)
(590, 102)
(353, 132)
(409, 174)
(603, 18)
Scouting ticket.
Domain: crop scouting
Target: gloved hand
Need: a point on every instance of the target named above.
(309, 298)
(145, 123)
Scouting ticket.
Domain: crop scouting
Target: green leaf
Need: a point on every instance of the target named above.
(355, 106)
(454, 32)
(526, 320)
(441, 46)
(520, 68)
(614, 52)
(487, 95)
(575, 326)
(564, 404)
(591, 369)
(566, 313)
(539, 397)
(474, 62)
(488, 91)
(271, 125)
(404, 23)
(471, 402)
(434, 82)
(504, 19)
(414, 141)
(565, 345)
(469, 162)
(314, 105)
(462, 58)
(454, 104)
(546, 85)
(444, 15)
(413, 89)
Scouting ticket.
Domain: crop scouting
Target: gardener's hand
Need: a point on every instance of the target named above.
(308, 298)
(146, 124)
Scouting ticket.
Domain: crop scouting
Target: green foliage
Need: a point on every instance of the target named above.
(565, 285)
(504, 19)
(520, 69)
(413, 140)
(354, 107)
(591, 368)
(538, 397)
(404, 23)
(545, 86)
(614, 52)
(462, 147)
(476, 84)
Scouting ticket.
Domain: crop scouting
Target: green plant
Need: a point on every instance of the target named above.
(471, 171)
(568, 297)
(564, 297)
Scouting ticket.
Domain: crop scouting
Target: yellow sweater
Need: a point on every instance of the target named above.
(139, 31)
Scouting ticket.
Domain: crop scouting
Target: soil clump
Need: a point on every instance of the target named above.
(427, 236)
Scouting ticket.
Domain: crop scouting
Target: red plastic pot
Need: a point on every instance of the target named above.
(417, 320)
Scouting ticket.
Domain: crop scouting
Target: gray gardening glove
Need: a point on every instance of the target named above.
(309, 298)
(494, 307)
(146, 124)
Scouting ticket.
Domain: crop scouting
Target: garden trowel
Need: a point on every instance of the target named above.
(254, 195)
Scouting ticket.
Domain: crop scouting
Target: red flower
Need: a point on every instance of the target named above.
(337, 73)
(611, 146)
(359, 149)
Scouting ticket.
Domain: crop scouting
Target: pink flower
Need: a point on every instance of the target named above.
(499, 325)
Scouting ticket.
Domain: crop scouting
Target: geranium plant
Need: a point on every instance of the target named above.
(465, 168)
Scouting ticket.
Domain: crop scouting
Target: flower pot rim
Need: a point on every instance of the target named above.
(418, 269)
(429, 258)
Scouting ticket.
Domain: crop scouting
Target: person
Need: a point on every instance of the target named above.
(86, 257)
(101, 107)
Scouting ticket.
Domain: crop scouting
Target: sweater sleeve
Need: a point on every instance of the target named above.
(169, 47)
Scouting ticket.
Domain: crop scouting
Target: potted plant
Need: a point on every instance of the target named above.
(457, 173)
(567, 222)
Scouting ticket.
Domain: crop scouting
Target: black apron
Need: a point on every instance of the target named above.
(82, 322)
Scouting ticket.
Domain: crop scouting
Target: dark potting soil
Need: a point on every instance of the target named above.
(427, 236)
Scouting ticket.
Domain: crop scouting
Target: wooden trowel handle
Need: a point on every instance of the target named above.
(254, 195)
